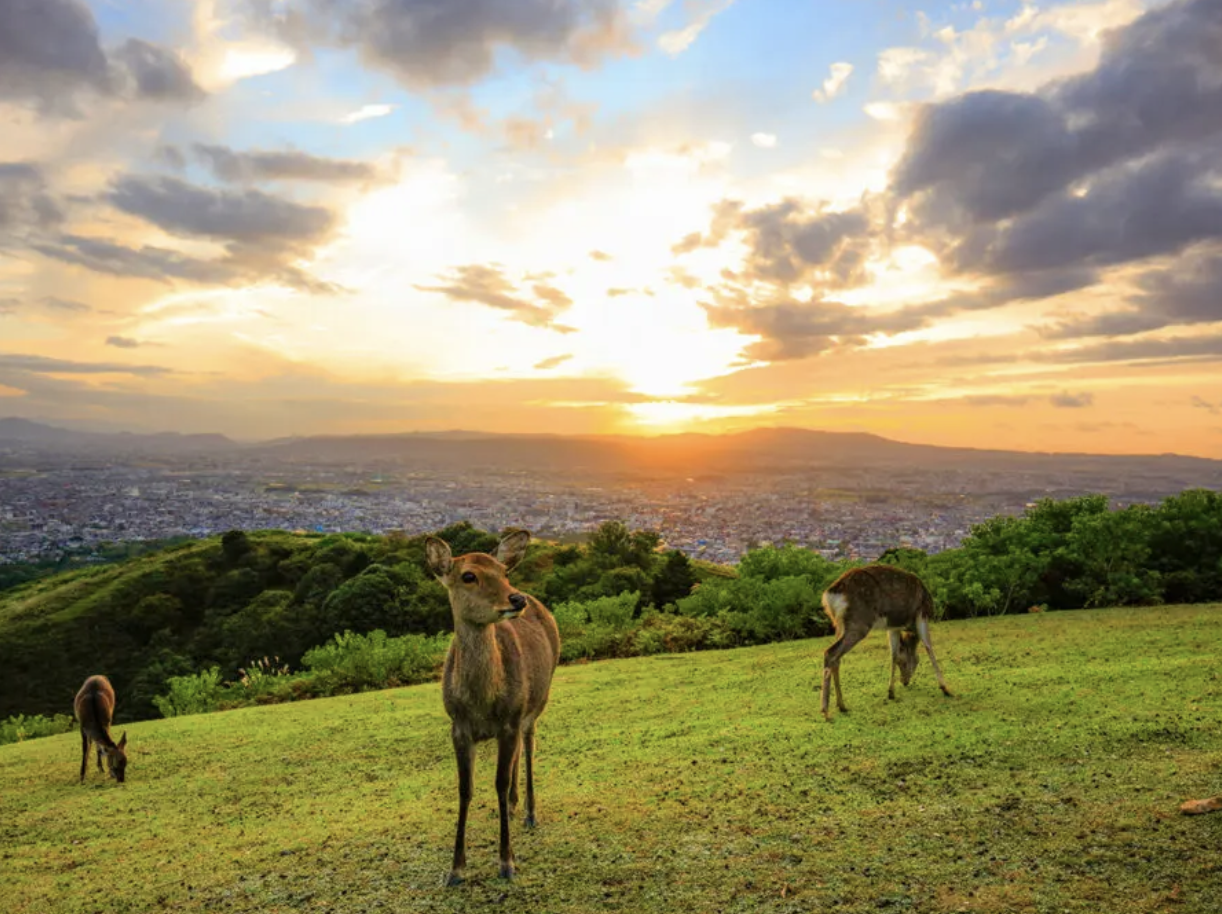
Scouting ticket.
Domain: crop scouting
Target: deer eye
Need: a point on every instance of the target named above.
(468, 577)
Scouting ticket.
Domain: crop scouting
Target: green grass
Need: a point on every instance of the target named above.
(690, 783)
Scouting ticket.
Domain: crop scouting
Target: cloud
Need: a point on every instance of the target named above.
(1066, 400)
(702, 12)
(488, 285)
(764, 140)
(552, 362)
(432, 43)
(365, 113)
(601, 256)
(37, 364)
(122, 342)
(50, 57)
(25, 204)
(835, 83)
(158, 74)
(1202, 403)
(1158, 84)
(247, 216)
(1204, 346)
(286, 165)
(797, 330)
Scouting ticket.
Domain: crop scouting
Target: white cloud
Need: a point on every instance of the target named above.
(366, 112)
(677, 41)
(885, 111)
(764, 140)
(835, 82)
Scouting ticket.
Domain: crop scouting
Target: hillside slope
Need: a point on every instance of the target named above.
(702, 782)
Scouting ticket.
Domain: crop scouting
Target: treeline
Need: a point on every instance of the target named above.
(13, 574)
(212, 608)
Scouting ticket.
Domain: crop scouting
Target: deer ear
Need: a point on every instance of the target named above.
(123, 740)
(439, 556)
(512, 548)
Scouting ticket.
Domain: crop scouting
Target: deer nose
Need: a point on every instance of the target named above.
(517, 601)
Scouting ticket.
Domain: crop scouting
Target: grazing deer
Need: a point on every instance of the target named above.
(878, 596)
(95, 709)
(497, 676)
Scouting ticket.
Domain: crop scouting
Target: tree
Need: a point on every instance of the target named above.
(674, 580)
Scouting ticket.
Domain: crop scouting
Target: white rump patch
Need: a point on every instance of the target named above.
(837, 604)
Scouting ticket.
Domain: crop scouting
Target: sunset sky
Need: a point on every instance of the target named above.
(993, 224)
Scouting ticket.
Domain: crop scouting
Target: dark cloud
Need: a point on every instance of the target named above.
(50, 57)
(796, 330)
(990, 155)
(989, 400)
(552, 362)
(1188, 292)
(431, 43)
(25, 204)
(122, 342)
(48, 305)
(171, 157)
(65, 305)
(488, 285)
(156, 73)
(49, 52)
(1202, 403)
(248, 217)
(37, 364)
(1066, 400)
(287, 165)
(1207, 346)
(146, 262)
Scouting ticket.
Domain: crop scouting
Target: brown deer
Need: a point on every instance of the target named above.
(95, 709)
(878, 596)
(497, 676)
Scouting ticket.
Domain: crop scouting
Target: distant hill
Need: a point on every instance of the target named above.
(690, 454)
(23, 434)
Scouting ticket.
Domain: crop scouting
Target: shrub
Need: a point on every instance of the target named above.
(196, 694)
(352, 662)
(19, 727)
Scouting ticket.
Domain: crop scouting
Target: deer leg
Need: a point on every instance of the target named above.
(84, 755)
(831, 667)
(464, 753)
(894, 636)
(528, 748)
(513, 781)
(99, 748)
(922, 627)
(506, 756)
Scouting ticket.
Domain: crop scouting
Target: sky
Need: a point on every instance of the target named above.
(988, 224)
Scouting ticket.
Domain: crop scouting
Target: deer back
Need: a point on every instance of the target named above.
(95, 708)
(879, 596)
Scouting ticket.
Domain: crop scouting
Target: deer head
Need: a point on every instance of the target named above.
(480, 592)
(116, 759)
(906, 657)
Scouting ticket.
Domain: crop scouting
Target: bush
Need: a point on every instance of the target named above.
(19, 727)
(196, 694)
(352, 662)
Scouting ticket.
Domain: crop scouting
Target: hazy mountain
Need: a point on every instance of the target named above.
(23, 434)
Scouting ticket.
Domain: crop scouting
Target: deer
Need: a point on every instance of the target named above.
(95, 707)
(878, 596)
(497, 677)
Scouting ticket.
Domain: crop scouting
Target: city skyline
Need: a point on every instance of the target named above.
(982, 224)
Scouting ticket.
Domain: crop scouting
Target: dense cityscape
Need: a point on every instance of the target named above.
(49, 511)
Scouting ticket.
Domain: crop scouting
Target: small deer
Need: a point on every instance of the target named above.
(497, 677)
(95, 709)
(878, 596)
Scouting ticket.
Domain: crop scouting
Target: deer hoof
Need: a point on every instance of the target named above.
(530, 821)
(452, 880)
(506, 870)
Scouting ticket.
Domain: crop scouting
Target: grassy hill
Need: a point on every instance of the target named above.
(702, 782)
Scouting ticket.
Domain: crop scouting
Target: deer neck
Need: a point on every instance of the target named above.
(477, 657)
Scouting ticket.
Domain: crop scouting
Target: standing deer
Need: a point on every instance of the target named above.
(498, 673)
(95, 708)
(878, 596)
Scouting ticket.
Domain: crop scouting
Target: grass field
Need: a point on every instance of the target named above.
(691, 783)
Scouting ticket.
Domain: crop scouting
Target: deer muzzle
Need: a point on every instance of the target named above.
(517, 603)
